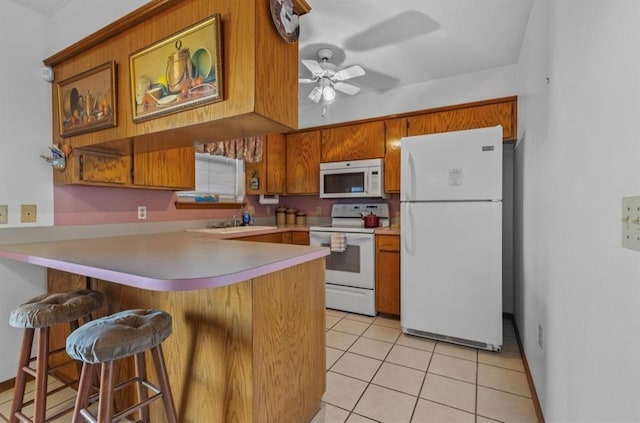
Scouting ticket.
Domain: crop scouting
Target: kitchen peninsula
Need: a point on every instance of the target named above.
(248, 342)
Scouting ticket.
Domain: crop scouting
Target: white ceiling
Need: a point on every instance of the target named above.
(403, 42)
(400, 42)
(44, 7)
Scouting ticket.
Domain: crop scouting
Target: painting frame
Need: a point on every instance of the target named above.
(87, 101)
(179, 72)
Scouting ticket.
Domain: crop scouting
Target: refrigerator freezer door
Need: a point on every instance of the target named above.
(460, 165)
(451, 277)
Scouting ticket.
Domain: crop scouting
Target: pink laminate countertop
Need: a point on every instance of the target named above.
(174, 261)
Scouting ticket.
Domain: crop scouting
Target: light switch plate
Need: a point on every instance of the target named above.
(4, 214)
(28, 213)
(631, 222)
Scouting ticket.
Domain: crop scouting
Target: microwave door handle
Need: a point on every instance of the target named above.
(367, 181)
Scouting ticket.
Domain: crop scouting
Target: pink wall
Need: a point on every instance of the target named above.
(83, 205)
(308, 204)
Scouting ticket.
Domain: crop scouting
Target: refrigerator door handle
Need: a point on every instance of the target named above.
(408, 235)
(409, 178)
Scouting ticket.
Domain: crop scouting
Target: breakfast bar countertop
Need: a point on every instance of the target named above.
(173, 261)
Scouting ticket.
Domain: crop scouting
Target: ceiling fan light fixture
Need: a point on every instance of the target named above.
(316, 94)
(328, 95)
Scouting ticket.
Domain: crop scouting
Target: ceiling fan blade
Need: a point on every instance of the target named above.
(313, 66)
(306, 81)
(346, 88)
(348, 73)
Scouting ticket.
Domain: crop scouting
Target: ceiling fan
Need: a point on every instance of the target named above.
(329, 79)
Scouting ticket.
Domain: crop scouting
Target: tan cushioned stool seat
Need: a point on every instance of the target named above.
(119, 335)
(51, 309)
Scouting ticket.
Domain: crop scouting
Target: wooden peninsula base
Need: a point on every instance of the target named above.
(248, 352)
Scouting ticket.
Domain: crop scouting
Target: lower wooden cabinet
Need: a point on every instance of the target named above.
(291, 237)
(388, 274)
(299, 237)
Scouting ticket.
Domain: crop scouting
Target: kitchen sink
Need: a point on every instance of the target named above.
(233, 229)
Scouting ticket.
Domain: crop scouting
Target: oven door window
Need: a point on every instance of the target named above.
(344, 183)
(347, 261)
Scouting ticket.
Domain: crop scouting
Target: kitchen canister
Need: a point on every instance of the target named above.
(291, 216)
(301, 218)
(280, 215)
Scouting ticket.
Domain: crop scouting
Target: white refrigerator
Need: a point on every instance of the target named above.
(451, 237)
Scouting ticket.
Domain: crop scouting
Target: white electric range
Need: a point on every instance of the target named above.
(350, 270)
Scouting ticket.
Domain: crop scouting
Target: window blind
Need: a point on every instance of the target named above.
(217, 176)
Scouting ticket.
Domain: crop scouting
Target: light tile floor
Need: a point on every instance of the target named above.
(375, 373)
(58, 401)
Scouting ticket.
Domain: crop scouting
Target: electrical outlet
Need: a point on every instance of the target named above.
(268, 210)
(540, 335)
(4, 214)
(631, 222)
(318, 210)
(251, 210)
(142, 212)
(28, 213)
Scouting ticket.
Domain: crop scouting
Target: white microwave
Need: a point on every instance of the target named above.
(352, 179)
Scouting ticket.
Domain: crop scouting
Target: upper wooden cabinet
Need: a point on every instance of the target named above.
(252, 52)
(303, 163)
(135, 167)
(395, 129)
(467, 117)
(272, 171)
(170, 168)
(353, 142)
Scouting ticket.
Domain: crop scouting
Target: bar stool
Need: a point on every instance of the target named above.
(41, 313)
(103, 341)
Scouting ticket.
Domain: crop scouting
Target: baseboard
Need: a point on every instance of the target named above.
(7, 385)
(532, 388)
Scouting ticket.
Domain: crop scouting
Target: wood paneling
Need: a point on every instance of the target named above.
(303, 163)
(289, 334)
(353, 142)
(248, 352)
(480, 116)
(59, 281)
(395, 129)
(388, 274)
